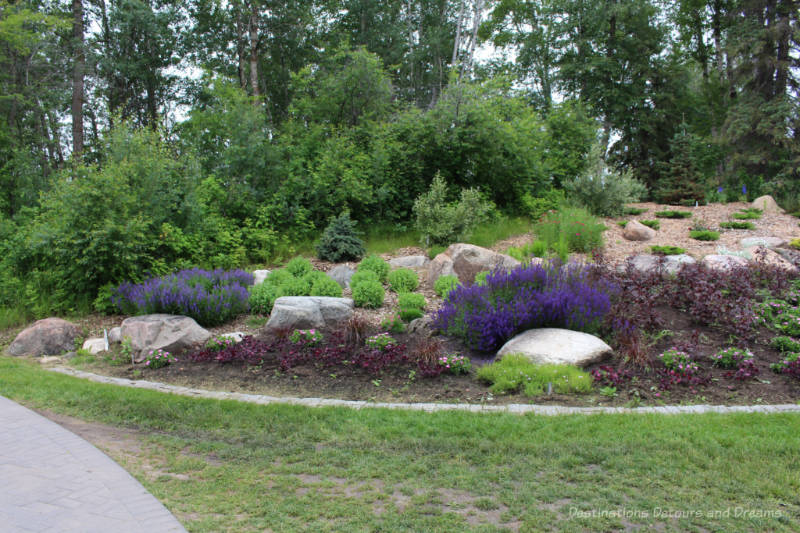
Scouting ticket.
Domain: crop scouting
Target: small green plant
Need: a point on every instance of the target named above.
(262, 298)
(749, 213)
(537, 206)
(126, 349)
(403, 280)
(785, 344)
(731, 357)
(633, 211)
(362, 276)
(158, 359)
(444, 284)
(295, 287)
(622, 223)
(667, 250)
(678, 361)
(411, 299)
(368, 294)
(455, 363)
(410, 313)
(788, 361)
(379, 341)
(610, 392)
(480, 278)
(704, 235)
(218, 343)
(340, 241)
(524, 252)
(394, 324)
(375, 264)
(299, 267)
(515, 372)
(325, 286)
(673, 214)
(795, 243)
(737, 225)
(308, 337)
(655, 224)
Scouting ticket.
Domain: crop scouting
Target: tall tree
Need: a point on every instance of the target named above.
(79, 59)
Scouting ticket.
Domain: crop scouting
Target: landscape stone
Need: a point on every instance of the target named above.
(671, 263)
(237, 336)
(766, 242)
(422, 327)
(259, 276)
(773, 258)
(557, 346)
(636, 231)
(115, 335)
(94, 346)
(767, 204)
(467, 260)
(304, 312)
(50, 336)
(341, 274)
(410, 261)
(724, 262)
(172, 333)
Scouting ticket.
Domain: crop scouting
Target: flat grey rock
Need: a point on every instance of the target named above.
(766, 242)
(341, 274)
(172, 333)
(410, 261)
(304, 312)
(50, 336)
(670, 263)
(95, 346)
(236, 336)
(557, 346)
(724, 262)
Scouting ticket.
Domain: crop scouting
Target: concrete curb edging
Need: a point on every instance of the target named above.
(547, 410)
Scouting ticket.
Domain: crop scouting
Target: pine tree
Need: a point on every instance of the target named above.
(340, 241)
(682, 181)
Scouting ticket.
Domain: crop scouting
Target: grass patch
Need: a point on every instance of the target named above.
(489, 233)
(634, 211)
(515, 371)
(12, 317)
(737, 225)
(795, 243)
(667, 250)
(622, 223)
(228, 466)
(750, 213)
(673, 214)
(384, 239)
(704, 235)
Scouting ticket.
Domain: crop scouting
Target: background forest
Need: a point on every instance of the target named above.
(142, 136)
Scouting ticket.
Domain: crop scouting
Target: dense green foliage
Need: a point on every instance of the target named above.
(374, 263)
(402, 280)
(515, 372)
(444, 284)
(368, 294)
(340, 241)
(570, 230)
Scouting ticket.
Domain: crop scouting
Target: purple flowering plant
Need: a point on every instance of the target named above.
(528, 296)
(210, 297)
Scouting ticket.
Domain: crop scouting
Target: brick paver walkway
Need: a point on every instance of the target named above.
(53, 480)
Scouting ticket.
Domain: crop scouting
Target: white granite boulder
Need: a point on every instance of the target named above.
(303, 312)
(636, 231)
(724, 262)
(766, 242)
(466, 260)
(50, 336)
(235, 336)
(95, 345)
(409, 261)
(767, 204)
(557, 346)
(670, 263)
(259, 276)
(172, 333)
(115, 335)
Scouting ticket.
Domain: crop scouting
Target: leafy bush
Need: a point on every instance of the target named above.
(737, 225)
(325, 286)
(295, 287)
(527, 297)
(601, 191)
(368, 294)
(673, 214)
(362, 276)
(655, 224)
(262, 298)
(514, 372)
(299, 267)
(790, 365)
(536, 206)
(667, 250)
(731, 357)
(704, 235)
(455, 363)
(571, 228)
(380, 341)
(411, 299)
(278, 277)
(441, 222)
(219, 343)
(375, 264)
(158, 359)
(340, 241)
(435, 250)
(749, 213)
(403, 280)
(410, 313)
(210, 297)
(444, 284)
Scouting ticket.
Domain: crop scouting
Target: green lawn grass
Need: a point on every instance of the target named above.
(228, 466)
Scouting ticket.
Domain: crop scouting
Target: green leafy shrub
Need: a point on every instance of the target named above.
(299, 267)
(536, 206)
(278, 277)
(514, 372)
(411, 299)
(480, 277)
(375, 264)
(667, 250)
(673, 214)
(601, 191)
(403, 280)
(655, 224)
(749, 213)
(326, 286)
(737, 225)
(262, 298)
(634, 211)
(410, 313)
(785, 344)
(340, 241)
(394, 324)
(444, 284)
(362, 276)
(731, 357)
(368, 294)
(704, 235)
(523, 253)
(571, 228)
(295, 287)
(441, 222)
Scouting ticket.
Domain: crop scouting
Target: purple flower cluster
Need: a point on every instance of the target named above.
(531, 296)
(210, 297)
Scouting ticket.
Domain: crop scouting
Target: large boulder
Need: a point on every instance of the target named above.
(171, 333)
(51, 336)
(724, 262)
(766, 242)
(557, 346)
(466, 260)
(409, 261)
(636, 231)
(304, 312)
(341, 274)
(115, 335)
(259, 276)
(670, 263)
(94, 346)
(767, 204)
